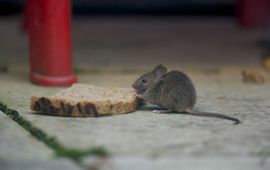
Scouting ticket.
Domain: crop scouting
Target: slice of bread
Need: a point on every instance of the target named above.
(85, 100)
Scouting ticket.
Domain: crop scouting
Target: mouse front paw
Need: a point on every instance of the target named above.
(139, 96)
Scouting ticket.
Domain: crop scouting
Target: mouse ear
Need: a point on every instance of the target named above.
(160, 70)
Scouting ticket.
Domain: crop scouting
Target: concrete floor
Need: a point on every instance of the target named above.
(114, 52)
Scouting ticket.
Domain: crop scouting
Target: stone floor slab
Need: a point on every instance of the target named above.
(20, 151)
(18, 144)
(38, 165)
(182, 162)
(144, 132)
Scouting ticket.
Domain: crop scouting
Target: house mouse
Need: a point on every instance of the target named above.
(173, 91)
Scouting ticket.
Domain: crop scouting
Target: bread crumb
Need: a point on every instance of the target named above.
(266, 62)
(221, 97)
(252, 77)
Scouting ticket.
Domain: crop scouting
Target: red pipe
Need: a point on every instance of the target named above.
(253, 13)
(26, 14)
(50, 42)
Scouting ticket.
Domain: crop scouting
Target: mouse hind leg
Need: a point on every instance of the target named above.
(162, 111)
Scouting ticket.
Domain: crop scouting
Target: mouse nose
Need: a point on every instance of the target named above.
(133, 85)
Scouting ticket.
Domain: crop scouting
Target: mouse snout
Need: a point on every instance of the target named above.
(134, 86)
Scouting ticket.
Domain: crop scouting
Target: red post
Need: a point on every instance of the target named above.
(26, 14)
(50, 42)
(253, 13)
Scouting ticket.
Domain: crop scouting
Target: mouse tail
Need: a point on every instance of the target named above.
(216, 115)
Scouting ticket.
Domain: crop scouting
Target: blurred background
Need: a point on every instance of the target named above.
(143, 33)
(221, 44)
(158, 7)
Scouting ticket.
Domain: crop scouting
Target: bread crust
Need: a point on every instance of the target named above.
(81, 108)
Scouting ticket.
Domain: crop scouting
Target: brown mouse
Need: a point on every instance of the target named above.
(173, 91)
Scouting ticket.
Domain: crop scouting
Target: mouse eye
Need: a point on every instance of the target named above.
(144, 80)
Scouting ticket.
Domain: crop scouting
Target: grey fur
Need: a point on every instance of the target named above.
(173, 91)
